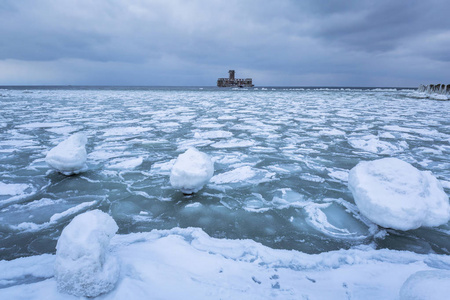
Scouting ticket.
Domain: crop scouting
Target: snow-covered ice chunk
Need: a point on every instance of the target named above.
(69, 156)
(427, 285)
(191, 171)
(83, 266)
(394, 194)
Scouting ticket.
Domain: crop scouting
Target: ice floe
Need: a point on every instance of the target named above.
(13, 189)
(394, 194)
(233, 143)
(244, 174)
(15, 192)
(372, 143)
(43, 125)
(214, 134)
(54, 219)
(121, 131)
(126, 163)
(191, 171)
(69, 156)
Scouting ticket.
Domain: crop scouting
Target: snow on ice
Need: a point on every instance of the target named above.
(191, 171)
(13, 189)
(83, 266)
(245, 174)
(189, 264)
(69, 156)
(394, 194)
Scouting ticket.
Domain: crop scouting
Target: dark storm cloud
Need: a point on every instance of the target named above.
(381, 25)
(189, 42)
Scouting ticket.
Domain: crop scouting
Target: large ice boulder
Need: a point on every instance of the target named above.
(191, 171)
(69, 156)
(427, 285)
(83, 266)
(394, 194)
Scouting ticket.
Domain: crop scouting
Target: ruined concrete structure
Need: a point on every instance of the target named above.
(231, 81)
(435, 88)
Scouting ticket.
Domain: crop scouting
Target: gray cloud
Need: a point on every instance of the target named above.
(194, 42)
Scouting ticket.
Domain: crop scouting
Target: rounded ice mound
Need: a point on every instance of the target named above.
(69, 156)
(191, 171)
(426, 285)
(394, 194)
(83, 266)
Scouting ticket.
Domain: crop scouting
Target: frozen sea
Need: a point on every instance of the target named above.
(281, 157)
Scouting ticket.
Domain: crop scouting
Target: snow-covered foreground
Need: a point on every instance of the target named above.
(188, 264)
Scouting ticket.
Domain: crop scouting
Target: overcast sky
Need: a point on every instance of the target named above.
(193, 42)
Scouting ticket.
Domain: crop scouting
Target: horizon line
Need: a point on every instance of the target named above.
(208, 86)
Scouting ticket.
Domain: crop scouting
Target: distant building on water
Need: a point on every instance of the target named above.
(234, 82)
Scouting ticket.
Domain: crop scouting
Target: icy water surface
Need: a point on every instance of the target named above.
(281, 156)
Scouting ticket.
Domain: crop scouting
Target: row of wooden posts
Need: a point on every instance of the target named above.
(435, 88)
